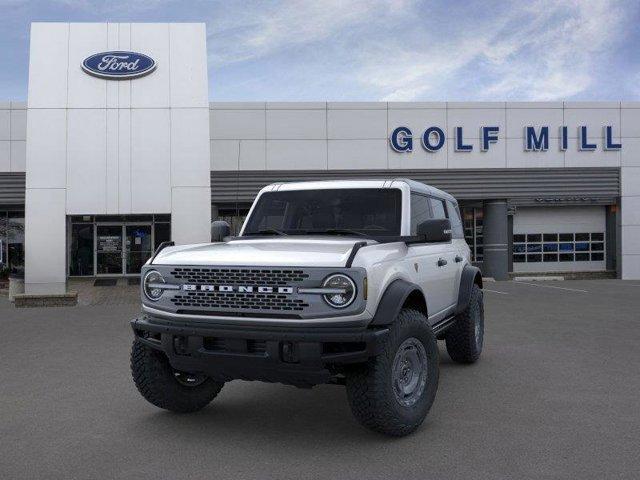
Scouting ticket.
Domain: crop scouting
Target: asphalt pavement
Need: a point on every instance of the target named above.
(556, 394)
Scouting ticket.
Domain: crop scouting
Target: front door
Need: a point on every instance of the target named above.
(109, 250)
(122, 249)
(138, 247)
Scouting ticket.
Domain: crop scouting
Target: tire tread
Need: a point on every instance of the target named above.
(370, 398)
(460, 338)
(153, 377)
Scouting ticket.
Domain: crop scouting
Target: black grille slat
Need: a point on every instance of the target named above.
(238, 301)
(236, 276)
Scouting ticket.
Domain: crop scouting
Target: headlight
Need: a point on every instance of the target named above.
(343, 290)
(151, 285)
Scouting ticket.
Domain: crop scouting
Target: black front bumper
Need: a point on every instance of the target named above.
(302, 356)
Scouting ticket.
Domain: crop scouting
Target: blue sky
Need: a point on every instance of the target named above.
(363, 50)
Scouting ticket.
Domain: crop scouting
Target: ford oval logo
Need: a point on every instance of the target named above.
(118, 65)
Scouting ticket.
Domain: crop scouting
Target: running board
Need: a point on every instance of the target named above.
(443, 325)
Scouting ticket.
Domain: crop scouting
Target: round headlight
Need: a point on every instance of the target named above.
(344, 290)
(150, 285)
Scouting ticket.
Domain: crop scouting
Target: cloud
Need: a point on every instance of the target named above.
(256, 31)
(408, 50)
(547, 50)
(387, 50)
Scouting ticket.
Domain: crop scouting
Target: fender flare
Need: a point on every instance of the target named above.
(392, 301)
(470, 275)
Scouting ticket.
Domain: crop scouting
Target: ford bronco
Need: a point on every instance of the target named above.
(343, 282)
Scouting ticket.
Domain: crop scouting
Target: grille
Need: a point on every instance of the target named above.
(238, 301)
(237, 276)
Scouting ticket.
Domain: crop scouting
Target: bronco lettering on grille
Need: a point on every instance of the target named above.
(237, 288)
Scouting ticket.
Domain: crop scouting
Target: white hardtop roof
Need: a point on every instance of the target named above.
(414, 186)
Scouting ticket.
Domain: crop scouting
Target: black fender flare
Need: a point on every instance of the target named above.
(392, 301)
(470, 275)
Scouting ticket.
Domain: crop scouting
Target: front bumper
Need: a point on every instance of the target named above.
(302, 356)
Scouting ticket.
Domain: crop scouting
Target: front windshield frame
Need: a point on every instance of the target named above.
(387, 223)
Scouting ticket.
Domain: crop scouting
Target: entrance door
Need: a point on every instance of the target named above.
(138, 247)
(109, 250)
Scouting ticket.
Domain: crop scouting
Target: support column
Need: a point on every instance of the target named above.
(45, 241)
(611, 237)
(496, 239)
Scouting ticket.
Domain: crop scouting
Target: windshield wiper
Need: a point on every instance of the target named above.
(267, 231)
(339, 231)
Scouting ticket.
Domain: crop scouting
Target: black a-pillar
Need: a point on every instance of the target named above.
(495, 240)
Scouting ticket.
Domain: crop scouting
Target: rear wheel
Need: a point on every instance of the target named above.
(466, 337)
(167, 388)
(393, 392)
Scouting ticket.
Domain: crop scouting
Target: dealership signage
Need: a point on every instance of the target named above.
(118, 65)
(536, 139)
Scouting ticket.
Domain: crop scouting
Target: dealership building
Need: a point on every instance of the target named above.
(117, 148)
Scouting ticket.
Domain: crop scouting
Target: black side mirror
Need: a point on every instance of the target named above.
(219, 230)
(435, 230)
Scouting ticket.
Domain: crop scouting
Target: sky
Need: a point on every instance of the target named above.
(377, 50)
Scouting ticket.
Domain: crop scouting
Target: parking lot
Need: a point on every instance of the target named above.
(556, 394)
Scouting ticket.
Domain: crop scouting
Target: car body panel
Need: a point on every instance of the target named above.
(383, 262)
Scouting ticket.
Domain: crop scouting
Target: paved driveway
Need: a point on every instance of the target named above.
(555, 395)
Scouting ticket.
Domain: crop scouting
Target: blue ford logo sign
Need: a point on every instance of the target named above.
(118, 65)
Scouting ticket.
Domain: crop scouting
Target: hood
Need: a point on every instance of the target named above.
(270, 251)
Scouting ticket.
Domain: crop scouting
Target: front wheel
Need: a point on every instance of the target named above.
(167, 388)
(393, 392)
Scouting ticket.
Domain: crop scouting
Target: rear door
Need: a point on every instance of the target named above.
(447, 268)
(459, 244)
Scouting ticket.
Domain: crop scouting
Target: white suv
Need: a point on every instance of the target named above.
(344, 282)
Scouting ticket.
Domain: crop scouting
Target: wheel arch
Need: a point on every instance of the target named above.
(470, 276)
(399, 294)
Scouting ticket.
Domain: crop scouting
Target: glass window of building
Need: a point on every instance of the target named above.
(472, 223)
(15, 242)
(81, 251)
(4, 265)
(115, 244)
(558, 247)
(234, 215)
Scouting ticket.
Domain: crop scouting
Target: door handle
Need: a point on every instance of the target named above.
(459, 258)
(442, 262)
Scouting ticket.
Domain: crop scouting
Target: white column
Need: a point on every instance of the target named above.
(630, 224)
(45, 241)
(630, 191)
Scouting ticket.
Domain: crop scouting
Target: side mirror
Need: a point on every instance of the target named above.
(219, 230)
(435, 230)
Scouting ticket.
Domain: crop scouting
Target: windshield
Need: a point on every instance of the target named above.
(358, 211)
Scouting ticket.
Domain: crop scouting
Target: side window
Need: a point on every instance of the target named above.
(437, 206)
(419, 211)
(456, 222)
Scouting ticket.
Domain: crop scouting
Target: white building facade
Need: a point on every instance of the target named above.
(95, 171)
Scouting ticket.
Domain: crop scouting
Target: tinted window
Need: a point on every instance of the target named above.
(456, 222)
(372, 211)
(419, 211)
(437, 206)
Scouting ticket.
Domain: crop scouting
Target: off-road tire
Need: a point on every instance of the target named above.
(370, 385)
(155, 379)
(462, 345)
